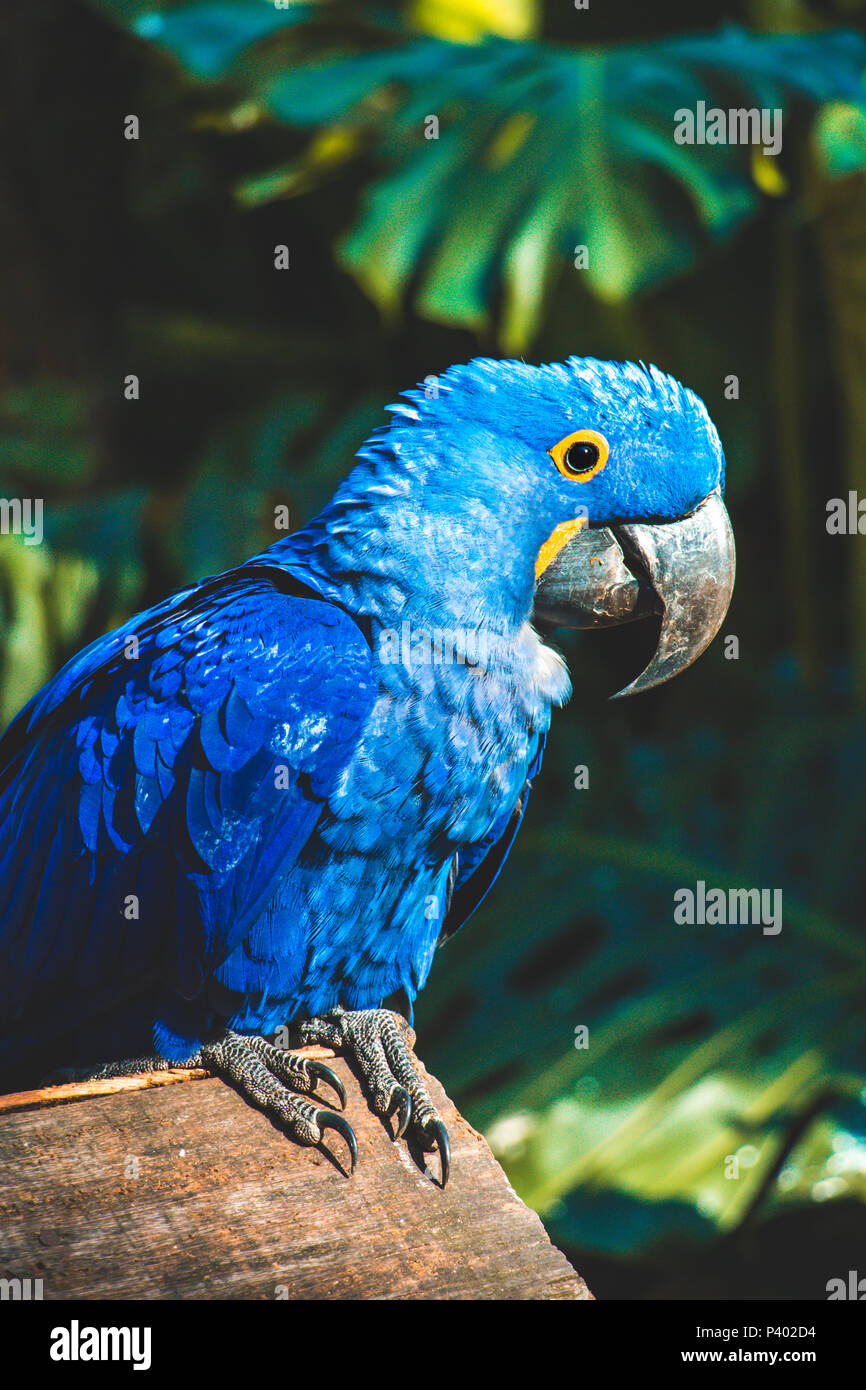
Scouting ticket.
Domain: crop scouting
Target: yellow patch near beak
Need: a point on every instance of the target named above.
(556, 541)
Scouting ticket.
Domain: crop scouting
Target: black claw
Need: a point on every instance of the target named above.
(319, 1072)
(326, 1119)
(436, 1132)
(401, 1101)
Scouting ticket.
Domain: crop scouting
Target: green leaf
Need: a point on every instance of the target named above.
(540, 148)
(840, 137)
(207, 37)
(44, 430)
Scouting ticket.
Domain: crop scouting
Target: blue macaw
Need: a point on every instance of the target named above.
(266, 799)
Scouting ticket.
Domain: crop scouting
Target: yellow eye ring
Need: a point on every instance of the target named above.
(581, 455)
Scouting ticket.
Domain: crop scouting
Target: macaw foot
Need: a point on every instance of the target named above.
(266, 1076)
(379, 1041)
(275, 1081)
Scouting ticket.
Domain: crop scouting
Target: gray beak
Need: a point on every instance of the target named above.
(682, 570)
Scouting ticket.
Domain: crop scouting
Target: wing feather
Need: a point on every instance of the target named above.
(186, 777)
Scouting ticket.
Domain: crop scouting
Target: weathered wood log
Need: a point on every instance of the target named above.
(182, 1191)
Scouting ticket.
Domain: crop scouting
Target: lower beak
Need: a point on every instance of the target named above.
(682, 570)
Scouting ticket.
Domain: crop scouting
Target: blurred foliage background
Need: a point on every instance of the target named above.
(304, 125)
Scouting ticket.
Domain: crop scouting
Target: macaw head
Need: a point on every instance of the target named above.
(588, 491)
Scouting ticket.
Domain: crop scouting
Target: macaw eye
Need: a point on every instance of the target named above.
(580, 455)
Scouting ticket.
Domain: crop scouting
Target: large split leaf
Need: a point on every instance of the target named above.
(540, 149)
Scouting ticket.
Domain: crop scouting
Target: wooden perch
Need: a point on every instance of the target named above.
(139, 1191)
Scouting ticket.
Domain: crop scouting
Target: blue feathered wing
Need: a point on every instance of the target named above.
(152, 795)
(479, 865)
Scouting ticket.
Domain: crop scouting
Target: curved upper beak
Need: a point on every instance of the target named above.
(683, 570)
